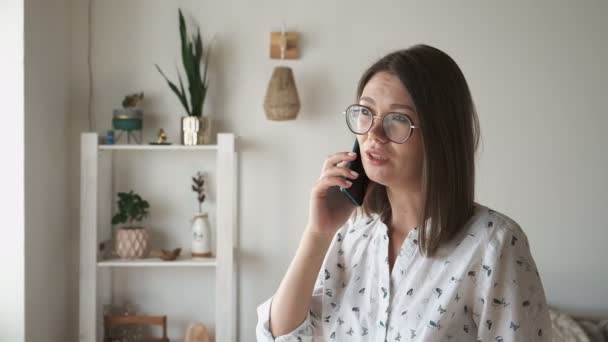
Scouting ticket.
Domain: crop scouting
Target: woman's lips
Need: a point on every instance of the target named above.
(376, 157)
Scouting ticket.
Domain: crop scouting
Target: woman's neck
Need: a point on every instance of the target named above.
(407, 207)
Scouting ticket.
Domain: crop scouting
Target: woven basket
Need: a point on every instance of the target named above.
(282, 101)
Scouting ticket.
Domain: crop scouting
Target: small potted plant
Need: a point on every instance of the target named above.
(196, 127)
(130, 117)
(131, 241)
(201, 232)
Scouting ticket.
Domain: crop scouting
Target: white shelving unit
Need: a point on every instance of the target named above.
(95, 226)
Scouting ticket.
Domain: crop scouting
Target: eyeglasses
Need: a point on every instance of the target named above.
(397, 127)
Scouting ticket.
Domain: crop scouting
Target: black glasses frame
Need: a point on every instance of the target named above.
(374, 116)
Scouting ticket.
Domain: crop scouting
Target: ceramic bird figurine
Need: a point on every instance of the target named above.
(132, 100)
(170, 255)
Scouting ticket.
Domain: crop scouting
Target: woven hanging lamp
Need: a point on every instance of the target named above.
(282, 101)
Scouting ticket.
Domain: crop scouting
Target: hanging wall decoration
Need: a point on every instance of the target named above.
(282, 101)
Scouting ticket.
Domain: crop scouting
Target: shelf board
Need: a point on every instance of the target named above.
(143, 147)
(157, 262)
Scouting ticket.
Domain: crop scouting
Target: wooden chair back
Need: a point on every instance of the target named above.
(112, 321)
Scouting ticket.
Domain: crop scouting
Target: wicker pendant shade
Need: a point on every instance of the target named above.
(282, 101)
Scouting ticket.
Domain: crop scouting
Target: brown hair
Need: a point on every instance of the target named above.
(450, 135)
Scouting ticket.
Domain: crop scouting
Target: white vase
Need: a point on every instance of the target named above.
(190, 129)
(201, 236)
(196, 130)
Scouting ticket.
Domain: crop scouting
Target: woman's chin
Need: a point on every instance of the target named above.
(379, 178)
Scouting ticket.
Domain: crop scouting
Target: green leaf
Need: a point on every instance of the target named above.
(119, 218)
(199, 44)
(181, 87)
(180, 95)
(192, 51)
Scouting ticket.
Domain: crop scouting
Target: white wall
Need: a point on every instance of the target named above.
(12, 259)
(48, 233)
(538, 76)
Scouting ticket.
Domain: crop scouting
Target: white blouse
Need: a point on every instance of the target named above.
(482, 286)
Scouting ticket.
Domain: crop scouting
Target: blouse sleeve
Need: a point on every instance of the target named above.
(311, 328)
(305, 332)
(510, 304)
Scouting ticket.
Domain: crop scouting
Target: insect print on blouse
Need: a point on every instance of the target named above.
(441, 310)
(513, 240)
(435, 324)
(514, 326)
(499, 301)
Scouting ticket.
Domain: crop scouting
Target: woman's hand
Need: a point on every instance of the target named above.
(330, 209)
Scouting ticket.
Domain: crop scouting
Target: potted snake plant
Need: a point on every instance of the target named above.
(196, 127)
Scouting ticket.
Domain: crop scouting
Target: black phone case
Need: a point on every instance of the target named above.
(356, 192)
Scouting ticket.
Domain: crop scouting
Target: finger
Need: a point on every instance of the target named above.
(340, 171)
(327, 182)
(335, 159)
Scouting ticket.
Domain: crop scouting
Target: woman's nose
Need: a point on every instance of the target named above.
(377, 131)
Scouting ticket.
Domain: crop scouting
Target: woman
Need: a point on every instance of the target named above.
(422, 261)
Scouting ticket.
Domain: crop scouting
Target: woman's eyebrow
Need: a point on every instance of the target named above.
(367, 99)
(404, 106)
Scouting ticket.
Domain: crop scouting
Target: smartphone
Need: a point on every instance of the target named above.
(356, 192)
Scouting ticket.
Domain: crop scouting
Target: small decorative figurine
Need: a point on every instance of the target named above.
(170, 255)
(197, 332)
(161, 138)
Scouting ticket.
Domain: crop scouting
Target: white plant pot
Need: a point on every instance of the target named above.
(196, 130)
(201, 236)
